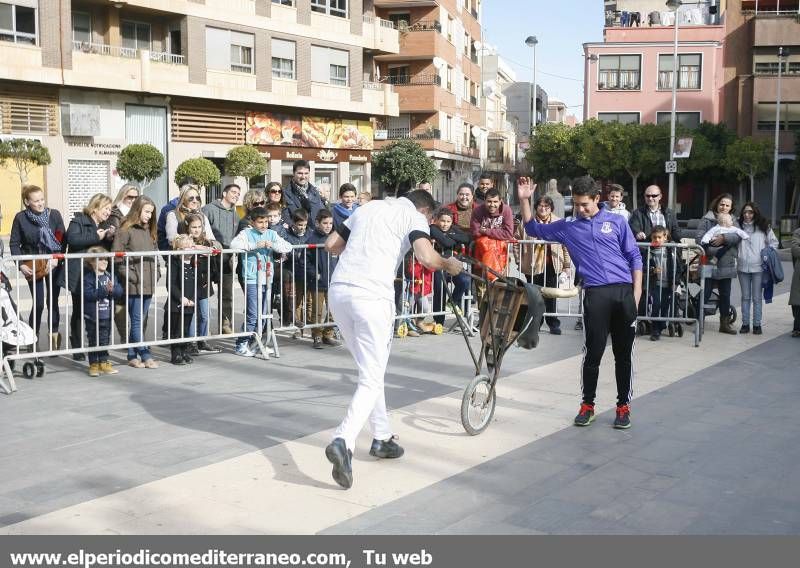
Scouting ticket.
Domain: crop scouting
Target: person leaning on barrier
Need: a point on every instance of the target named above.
(88, 228)
(463, 206)
(101, 290)
(492, 226)
(605, 254)
(543, 264)
(185, 292)
(208, 272)
(320, 264)
(37, 229)
(224, 221)
(295, 298)
(664, 267)
(448, 239)
(371, 244)
(119, 209)
(651, 214)
(139, 274)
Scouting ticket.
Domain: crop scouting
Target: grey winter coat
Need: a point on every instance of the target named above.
(224, 222)
(142, 272)
(749, 259)
(794, 292)
(726, 266)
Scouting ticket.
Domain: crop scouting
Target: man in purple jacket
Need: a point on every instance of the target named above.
(604, 251)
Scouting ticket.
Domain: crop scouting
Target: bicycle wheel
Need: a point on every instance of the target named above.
(477, 407)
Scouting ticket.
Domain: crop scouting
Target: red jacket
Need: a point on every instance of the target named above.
(459, 215)
(421, 279)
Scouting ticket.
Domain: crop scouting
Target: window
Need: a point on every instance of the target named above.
(283, 58)
(399, 75)
(448, 128)
(621, 117)
(789, 119)
(135, 36)
(400, 20)
(329, 65)
(227, 50)
(284, 2)
(494, 151)
(449, 79)
(467, 44)
(450, 25)
(357, 176)
(688, 71)
(17, 24)
(619, 72)
(81, 27)
(331, 7)
(771, 67)
(687, 119)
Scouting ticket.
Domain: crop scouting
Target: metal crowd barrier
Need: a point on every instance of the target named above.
(20, 338)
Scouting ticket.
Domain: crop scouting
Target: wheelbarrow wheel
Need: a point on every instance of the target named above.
(438, 329)
(477, 406)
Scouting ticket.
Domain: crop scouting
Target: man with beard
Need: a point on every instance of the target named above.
(492, 226)
(301, 193)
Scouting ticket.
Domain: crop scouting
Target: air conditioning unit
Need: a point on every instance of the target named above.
(80, 119)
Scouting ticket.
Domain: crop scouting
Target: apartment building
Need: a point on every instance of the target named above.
(438, 79)
(754, 32)
(295, 78)
(524, 112)
(501, 146)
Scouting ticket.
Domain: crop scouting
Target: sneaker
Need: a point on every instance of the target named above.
(338, 454)
(177, 358)
(579, 325)
(94, 370)
(746, 328)
(317, 343)
(243, 350)
(78, 357)
(757, 330)
(135, 363)
(655, 336)
(226, 327)
(388, 449)
(623, 419)
(331, 341)
(193, 349)
(412, 333)
(107, 369)
(188, 359)
(585, 415)
(204, 347)
(555, 331)
(151, 364)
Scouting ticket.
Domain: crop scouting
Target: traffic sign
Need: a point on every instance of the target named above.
(671, 166)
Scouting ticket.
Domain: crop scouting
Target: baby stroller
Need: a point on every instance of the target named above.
(15, 334)
(693, 273)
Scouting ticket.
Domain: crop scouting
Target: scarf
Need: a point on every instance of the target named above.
(47, 240)
(344, 211)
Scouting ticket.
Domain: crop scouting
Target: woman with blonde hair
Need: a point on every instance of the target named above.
(255, 197)
(126, 195)
(138, 275)
(188, 202)
(89, 228)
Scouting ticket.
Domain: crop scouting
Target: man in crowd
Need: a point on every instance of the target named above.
(652, 214)
(371, 244)
(463, 206)
(301, 193)
(605, 254)
(224, 221)
(491, 227)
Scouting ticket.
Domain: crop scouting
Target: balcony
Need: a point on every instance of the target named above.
(419, 79)
(776, 29)
(126, 52)
(381, 35)
(382, 96)
(430, 140)
(407, 133)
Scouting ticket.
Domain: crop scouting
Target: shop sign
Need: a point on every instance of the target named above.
(314, 155)
(273, 129)
(98, 149)
(359, 158)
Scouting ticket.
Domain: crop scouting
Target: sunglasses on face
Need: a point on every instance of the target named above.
(653, 196)
(193, 198)
(131, 196)
(259, 203)
(275, 191)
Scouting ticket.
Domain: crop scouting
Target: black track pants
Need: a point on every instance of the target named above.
(608, 309)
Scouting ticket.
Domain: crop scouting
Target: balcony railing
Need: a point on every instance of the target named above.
(770, 68)
(383, 23)
(404, 133)
(419, 79)
(422, 26)
(376, 86)
(126, 52)
(688, 79)
(773, 8)
(613, 79)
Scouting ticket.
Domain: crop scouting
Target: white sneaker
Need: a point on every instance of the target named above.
(244, 351)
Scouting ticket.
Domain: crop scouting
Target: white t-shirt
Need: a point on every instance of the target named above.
(381, 233)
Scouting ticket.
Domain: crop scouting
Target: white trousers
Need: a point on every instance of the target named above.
(365, 322)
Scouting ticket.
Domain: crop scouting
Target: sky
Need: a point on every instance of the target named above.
(561, 26)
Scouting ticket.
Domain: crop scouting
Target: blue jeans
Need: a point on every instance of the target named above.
(138, 307)
(460, 285)
(252, 295)
(750, 283)
(98, 332)
(201, 320)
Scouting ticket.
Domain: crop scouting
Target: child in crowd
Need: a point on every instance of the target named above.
(448, 238)
(99, 291)
(724, 226)
(319, 268)
(261, 244)
(283, 274)
(347, 204)
(295, 297)
(364, 197)
(615, 204)
(184, 295)
(420, 283)
(207, 272)
(663, 272)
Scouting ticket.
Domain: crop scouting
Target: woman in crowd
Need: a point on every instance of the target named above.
(723, 250)
(40, 230)
(756, 225)
(274, 193)
(126, 195)
(138, 275)
(252, 199)
(87, 229)
(188, 202)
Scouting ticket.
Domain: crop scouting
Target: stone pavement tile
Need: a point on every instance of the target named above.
(619, 507)
(661, 517)
(549, 515)
(490, 518)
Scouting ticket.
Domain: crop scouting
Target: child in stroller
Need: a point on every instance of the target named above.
(15, 334)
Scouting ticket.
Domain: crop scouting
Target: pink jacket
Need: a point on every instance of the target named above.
(500, 228)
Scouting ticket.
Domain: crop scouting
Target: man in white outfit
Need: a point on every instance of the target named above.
(371, 243)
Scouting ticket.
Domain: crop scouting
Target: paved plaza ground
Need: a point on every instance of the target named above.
(233, 445)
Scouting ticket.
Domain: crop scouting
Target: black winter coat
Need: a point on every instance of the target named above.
(81, 235)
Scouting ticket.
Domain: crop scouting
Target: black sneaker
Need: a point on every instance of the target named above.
(204, 347)
(555, 331)
(338, 454)
(623, 419)
(579, 325)
(192, 349)
(188, 359)
(655, 336)
(746, 329)
(757, 330)
(177, 359)
(78, 357)
(388, 449)
(585, 415)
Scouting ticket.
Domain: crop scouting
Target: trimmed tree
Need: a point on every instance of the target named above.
(27, 154)
(141, 163)
(403, 163)
(203, 171)
(749, 158)
(245, 161)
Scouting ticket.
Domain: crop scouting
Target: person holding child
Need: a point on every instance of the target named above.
(260, 243)
(663, 270)
(320, 264)
(100, 289)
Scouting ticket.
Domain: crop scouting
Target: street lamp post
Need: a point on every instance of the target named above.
(531, 41)
(782, 52)
(673, 5)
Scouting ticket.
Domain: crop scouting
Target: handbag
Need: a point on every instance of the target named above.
(40, 268)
